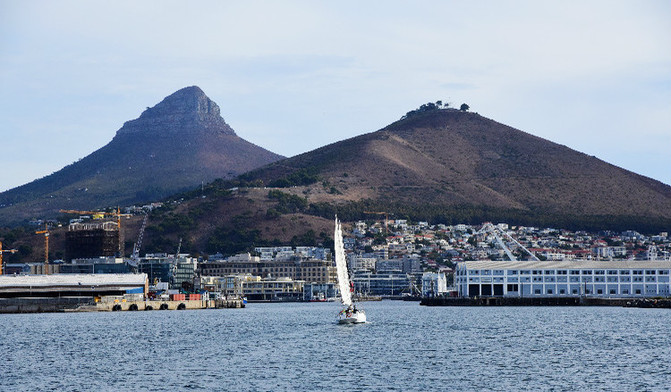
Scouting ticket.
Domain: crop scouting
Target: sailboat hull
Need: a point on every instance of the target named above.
(355, 318)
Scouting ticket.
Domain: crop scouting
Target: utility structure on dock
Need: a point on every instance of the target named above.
(2, 251)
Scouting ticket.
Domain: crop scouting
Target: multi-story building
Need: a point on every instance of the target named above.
(98, 265)
(281, 289)
(319, 291)
(563, 278)
(84, 240)
(383, 283)
(166, 268)
(309, 270)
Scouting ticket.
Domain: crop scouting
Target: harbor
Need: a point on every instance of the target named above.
(97, 293)
(54, 305)
(547, 301)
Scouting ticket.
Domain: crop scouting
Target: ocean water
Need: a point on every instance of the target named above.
(288, 347)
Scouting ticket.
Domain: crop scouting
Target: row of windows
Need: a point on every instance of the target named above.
(514, 288)
(566, 272)
(574, 279)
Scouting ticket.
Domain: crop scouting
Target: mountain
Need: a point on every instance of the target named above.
(447, 164)
(442, 166)
(176, 145)
(452, 158)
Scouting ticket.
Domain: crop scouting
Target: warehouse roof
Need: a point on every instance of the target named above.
(72, 280)
(567, 264)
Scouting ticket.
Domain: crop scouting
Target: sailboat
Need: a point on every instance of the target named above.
(350, 314)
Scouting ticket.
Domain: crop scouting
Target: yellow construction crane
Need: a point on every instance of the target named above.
(46, 247)
(94, 214)
(2, 266)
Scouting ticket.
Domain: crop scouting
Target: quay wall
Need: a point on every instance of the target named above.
(536, 301)
(49, 305)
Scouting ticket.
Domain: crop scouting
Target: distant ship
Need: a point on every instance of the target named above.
(350, 314)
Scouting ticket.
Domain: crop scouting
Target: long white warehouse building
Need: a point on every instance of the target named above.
(613, 279)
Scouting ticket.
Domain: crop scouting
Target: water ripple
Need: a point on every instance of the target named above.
(284, 347)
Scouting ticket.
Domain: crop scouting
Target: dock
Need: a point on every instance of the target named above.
(545, 301)
(51, 305)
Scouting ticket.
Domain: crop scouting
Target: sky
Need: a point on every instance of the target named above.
(292, 76)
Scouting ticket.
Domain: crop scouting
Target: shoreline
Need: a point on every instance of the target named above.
(86, 304)
(548, 301)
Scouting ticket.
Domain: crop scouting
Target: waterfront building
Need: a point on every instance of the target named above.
(168, 268)
(71, 285)
(281, 289)
(296, 268)
(230, 285)
(184, 272)
(610, 279)
(383, 283)
(97, 265)
(319, 291)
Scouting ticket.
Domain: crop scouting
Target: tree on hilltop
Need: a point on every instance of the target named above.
(464, 107)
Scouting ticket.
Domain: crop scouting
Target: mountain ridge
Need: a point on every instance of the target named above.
(176, 145)
(470, 159)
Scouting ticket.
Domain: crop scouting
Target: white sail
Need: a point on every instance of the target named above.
(341, 265)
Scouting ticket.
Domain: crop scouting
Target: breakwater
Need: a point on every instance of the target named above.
(545, 301)
(50, 305)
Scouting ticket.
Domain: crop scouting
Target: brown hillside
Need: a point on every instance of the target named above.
(448, 157)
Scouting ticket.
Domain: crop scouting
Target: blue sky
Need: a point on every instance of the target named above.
(292, 76)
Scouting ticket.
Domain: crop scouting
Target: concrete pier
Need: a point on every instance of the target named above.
(87, 304)
(542, 301)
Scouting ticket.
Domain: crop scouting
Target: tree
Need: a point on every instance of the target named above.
(464, 107)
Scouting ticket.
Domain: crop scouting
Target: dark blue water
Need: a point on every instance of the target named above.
(284, 347)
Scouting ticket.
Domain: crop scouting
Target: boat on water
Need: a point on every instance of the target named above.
(350, 314)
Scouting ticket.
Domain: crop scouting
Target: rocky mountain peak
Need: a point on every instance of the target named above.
(188, 108)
